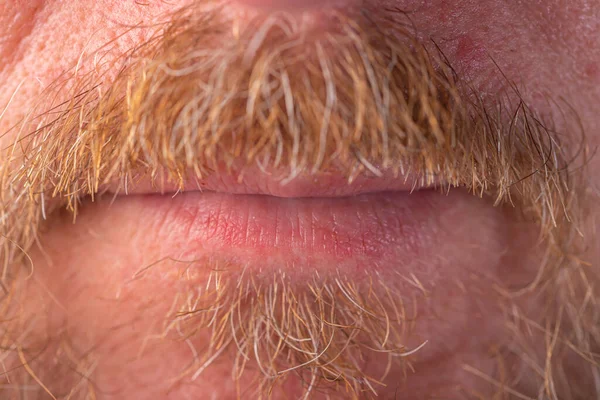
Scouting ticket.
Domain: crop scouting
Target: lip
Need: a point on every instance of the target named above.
(277, 183)
(364, 226)
(254, 216)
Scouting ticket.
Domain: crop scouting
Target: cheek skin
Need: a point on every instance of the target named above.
(18, 22)
(43, 41)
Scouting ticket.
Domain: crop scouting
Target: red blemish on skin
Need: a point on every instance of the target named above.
(466, 47)
(469, 52)
(592, 71)
(444, 14)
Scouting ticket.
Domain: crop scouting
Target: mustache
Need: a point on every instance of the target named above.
(353, 92)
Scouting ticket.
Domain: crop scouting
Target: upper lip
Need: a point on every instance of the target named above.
(258, 182)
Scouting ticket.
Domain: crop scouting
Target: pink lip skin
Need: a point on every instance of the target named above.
(351, 234)
(365, 225)
(311, 218)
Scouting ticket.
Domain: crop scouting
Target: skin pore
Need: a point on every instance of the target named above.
(485, 300)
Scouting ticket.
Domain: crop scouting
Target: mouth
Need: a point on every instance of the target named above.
(264, 218)
(362, 224)
(320, 223)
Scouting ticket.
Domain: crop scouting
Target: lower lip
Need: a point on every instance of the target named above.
(260, 228)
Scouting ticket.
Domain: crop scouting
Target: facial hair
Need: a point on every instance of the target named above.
(210, 92)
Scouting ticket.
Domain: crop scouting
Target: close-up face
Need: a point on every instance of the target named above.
(289, 199)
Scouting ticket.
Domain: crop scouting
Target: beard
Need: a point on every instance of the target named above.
(351, 93)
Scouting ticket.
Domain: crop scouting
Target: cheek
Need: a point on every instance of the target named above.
(18, 23)
(45, 42)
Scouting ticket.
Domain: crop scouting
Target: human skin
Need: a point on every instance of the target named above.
(80, 298)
